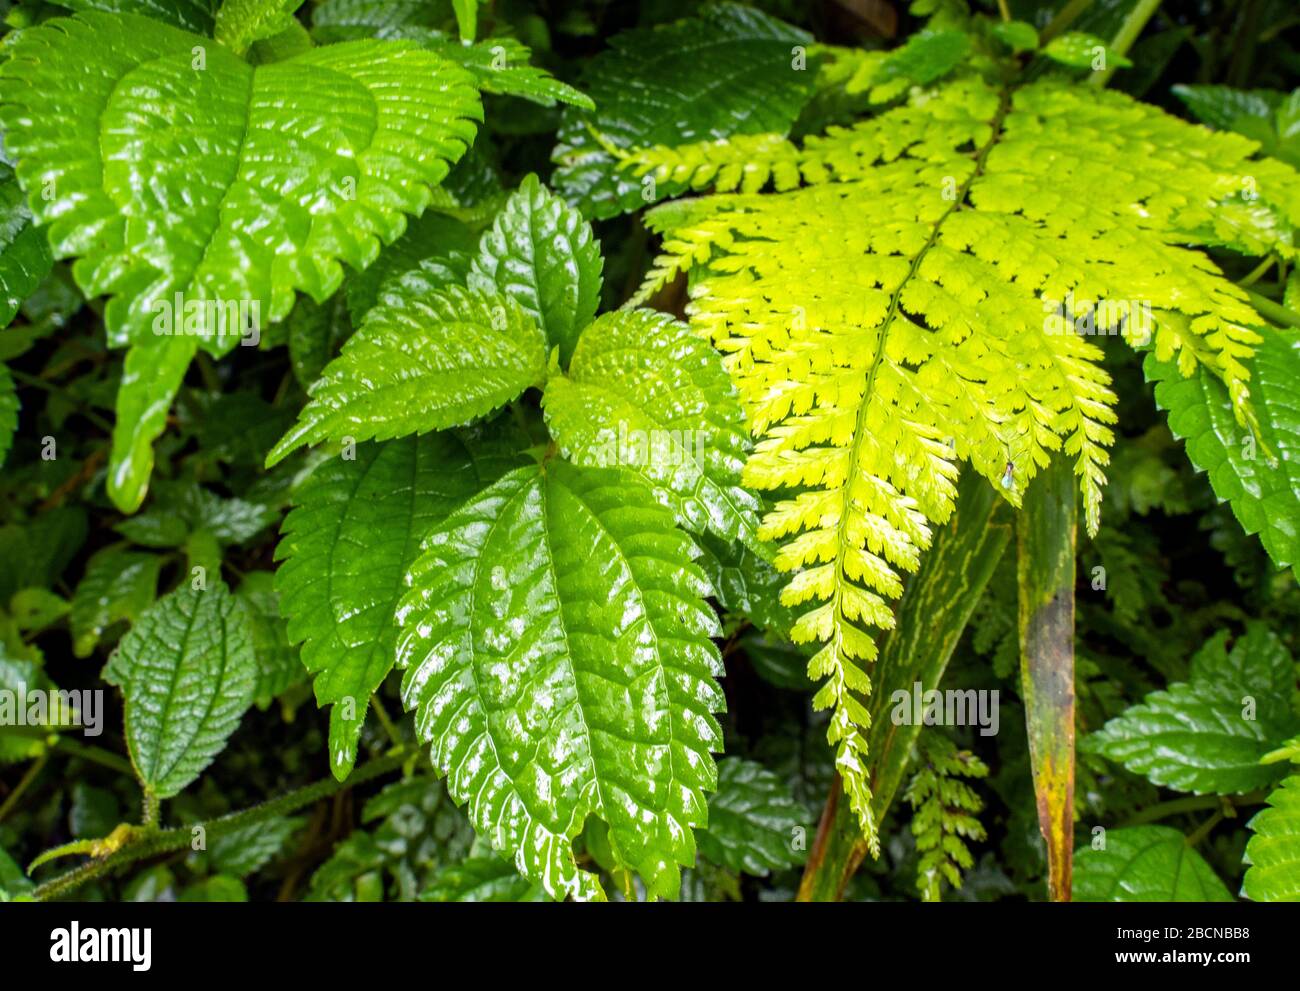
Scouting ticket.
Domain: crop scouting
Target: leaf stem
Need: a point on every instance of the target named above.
(97, 755)
(152, 843)
(1066, 16)
(1273, 311)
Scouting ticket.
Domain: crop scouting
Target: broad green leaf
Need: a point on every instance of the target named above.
(183, 508)
(730, 71)
(218, 888)
(118, 585)
(754, 821)
(242, 22)
(1145, 864)
(645, 393)
(542, 253)
(19, 676)
(188, 674)
(193, 15)
(35, 609)
(173, 189)
(1265, 496)
(480, 879)
(1273, 853)
(501, 65)
(1046, 539)
(24, 254)
(1207, 735)
(422, 362)
(342, 20)
(151, 377)
(557, 656)
(466, 18)
(9, 407)
(1222, 106)
(355, 529)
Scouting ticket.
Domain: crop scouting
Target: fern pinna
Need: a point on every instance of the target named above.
(917, 290)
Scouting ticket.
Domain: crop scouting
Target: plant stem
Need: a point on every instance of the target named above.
(97, 755)
(1193, 803)
(1064, 18)
(1273, 311)
(1257, 272)
(152, 843)
(152, 808)
(1002, 9)
(24, 783)
(1124, 38)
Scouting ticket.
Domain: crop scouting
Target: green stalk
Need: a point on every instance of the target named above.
(1127, 34)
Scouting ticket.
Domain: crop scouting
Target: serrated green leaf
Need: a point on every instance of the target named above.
(501, 65)
(338, 20)
(188, 674)
(24, 253)
(421, 362)
(192, 15)
(754, 821)
(645, 393)
(242, 22)
(118, 585)
(355, 529)
(542, 253)
(1273, 853)
(557, 656)
(1207, 735)
(1265, 497)
(665, 86)
(110, 119)
(1221, 106)
(480, 879)
(1145, 864)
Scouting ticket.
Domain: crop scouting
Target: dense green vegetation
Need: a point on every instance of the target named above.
(537, 450)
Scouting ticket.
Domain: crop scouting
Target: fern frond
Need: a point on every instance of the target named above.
(944, 813)
(925, 297)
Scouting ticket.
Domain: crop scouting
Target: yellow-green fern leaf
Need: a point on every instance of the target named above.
(920, 290)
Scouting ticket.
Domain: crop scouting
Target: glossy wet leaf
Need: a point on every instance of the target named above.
(24, 253)
(1273, 853)
(647, 89)
(221, 210)
(1265, 496)
(755, 824)
(557, 655)
(187, 672)
(487, 878)
(646, 394)
(1145, 864)
(119, 584)
(355, 529)
(421, 362)
(1207, 735)
(541, 252)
